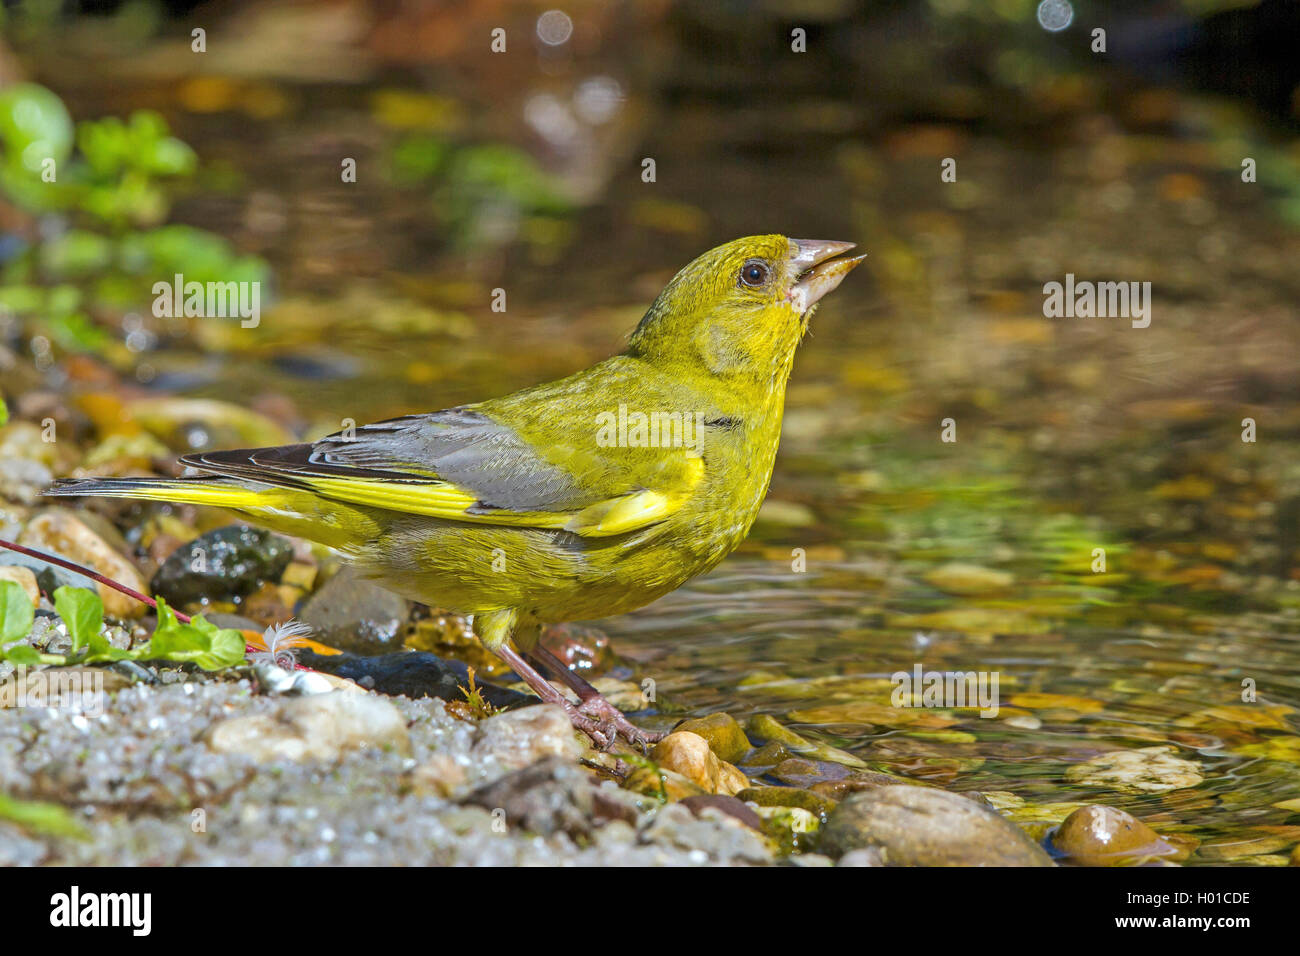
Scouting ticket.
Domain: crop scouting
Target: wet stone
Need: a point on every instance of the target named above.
(353, 614)
(726, 738)
(410, 674)
(689, 754)
(814, 803)
(919, 826)
(1107, 836)
(1145, 770)
(63, 533)
(550, 796)
(223, 564)
(319, 727)
(521, 737)
(731, 806)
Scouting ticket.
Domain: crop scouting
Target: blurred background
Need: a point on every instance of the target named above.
(525, 170)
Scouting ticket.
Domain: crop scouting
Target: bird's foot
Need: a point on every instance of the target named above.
(611, 718)
(594, 715)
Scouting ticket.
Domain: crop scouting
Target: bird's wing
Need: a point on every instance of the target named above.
(462, 465)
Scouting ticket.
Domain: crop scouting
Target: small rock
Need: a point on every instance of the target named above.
(1146, 770)
(440, 775)
(63, 533)
(969, 579)
(814, 803)
(319, 727)
(767, 756)
(224, 563)
(277, 680)
(867, 856)
(662, 784)
(830, 779)
(550, 796)
(731, 806)
(715, 835)
(25, 579)
(920, 826)
(768, 728)
(354, 614)
(1106, 836)
(521, 737)
(789, 826)
(689, 754)
(726, 738)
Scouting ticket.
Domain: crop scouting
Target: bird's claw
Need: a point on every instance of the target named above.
(614, 724)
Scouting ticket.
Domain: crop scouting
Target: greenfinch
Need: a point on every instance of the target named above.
(575, 499)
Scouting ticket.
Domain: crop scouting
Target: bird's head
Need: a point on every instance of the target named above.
(741, 309)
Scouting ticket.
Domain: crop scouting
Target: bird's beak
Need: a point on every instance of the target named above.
(821, 271)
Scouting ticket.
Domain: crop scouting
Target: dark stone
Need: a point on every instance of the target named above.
(731, 806)
(550, 796)
(357, 615)
(410, 674)
(224, 563)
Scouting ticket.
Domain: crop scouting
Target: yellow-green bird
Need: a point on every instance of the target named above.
(576, 499)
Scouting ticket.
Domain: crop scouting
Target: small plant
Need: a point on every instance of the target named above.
(196, 641)
(477, 706)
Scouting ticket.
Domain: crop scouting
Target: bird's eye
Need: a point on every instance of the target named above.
(753, 273)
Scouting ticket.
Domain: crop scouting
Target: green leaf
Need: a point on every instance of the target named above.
(35, 816)
(4, 412)
(83, 612)
(23, 654)
(198, 642)
(227, 650)
(16, 613)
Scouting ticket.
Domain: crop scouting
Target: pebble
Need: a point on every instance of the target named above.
(63, 533)
(25, 579)
(1146, 770)
(410, 674)
(319, 727)
(969, 579)
(689, 754)
(1107, 836)
(521, 737)
(726, 738)
(788, 797)
(550, 796)
(713, 834)
(222, 564)
(731, 806)
(921, 826)
(357, 615)
(766, 728)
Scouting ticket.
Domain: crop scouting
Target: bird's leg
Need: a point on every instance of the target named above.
(594, 703)
(601, 734)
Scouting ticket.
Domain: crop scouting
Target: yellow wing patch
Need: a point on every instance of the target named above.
(611, 516)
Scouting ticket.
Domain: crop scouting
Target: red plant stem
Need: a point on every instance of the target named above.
(110, 583)
(87, 572)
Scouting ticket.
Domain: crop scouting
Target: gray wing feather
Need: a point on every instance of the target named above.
(458, 445)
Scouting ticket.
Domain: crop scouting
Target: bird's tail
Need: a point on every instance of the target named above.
(218, 492)
(289, 510)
